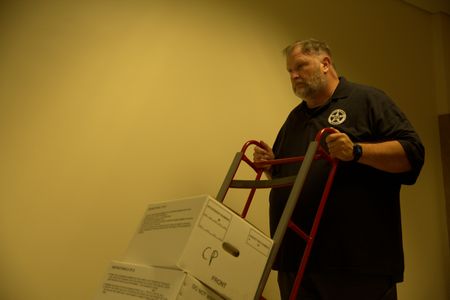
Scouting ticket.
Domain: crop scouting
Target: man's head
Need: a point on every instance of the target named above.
(311, 70)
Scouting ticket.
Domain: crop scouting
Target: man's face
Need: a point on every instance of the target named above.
(306, 74)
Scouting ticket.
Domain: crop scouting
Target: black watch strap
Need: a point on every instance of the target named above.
(357, 152)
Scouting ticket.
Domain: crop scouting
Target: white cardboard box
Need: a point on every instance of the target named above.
(206, 239)
(125, 281)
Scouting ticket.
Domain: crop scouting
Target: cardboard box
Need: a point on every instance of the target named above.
(206, 239)
(126, 281)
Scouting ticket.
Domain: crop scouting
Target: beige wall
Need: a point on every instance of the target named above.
(107, 106)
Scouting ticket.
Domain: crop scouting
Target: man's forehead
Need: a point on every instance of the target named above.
(295, 50)
(297, 55)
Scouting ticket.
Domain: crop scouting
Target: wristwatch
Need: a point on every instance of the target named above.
(357, 152)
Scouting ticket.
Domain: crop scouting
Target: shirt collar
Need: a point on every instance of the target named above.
(342, 90)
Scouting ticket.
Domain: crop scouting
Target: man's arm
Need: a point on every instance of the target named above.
(386, 156)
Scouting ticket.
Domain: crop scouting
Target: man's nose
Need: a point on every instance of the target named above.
(294, 75)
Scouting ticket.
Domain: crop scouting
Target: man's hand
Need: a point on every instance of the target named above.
(340, 146)
(262, 154)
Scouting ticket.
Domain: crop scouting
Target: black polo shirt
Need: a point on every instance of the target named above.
(360, 229)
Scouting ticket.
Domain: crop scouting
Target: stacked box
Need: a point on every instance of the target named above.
(203, 238)
(125, 281)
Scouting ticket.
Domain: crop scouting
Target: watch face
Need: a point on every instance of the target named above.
(357, 152)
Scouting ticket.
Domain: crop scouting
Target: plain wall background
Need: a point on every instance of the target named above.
(106, 106)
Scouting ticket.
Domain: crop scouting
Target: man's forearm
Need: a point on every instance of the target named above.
(386, 156)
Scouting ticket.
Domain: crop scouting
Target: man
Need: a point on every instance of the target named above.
(358, 250)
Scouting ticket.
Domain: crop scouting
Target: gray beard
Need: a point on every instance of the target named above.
(306, 92)
(316, 84)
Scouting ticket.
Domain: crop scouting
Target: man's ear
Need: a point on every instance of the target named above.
(326, 63)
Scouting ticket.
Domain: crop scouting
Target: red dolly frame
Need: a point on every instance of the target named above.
(314, 152)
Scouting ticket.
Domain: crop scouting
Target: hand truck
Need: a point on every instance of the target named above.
(314, 152)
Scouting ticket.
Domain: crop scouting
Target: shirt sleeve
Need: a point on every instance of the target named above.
(392, 124)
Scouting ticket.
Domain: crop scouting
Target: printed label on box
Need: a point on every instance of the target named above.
(157, 220)
(128, 281)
